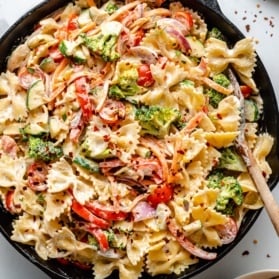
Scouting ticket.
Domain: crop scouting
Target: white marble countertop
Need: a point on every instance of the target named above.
(255, 18)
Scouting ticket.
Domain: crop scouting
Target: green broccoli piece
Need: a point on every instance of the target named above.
(126, 85)
(230, 195)
(111, 8)
(40, 149)
(214, 179)
(222, 80)
(214, 96)
(216, 33)
(187, 83)
(230, 160)
(230, 192)
(72, 50)
(103, 45)
(156, 120)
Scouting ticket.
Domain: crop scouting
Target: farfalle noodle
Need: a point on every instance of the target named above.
(119, 99)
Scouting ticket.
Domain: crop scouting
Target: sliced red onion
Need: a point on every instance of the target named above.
(147, 55)
(174, 23)
(142, 211)
(76, 120)
(110, 254)
(184, 44)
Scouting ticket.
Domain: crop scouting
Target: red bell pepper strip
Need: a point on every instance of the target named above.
(82, 92)
(105, 212)
(87, 215)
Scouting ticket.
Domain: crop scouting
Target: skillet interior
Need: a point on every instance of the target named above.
(269, 122)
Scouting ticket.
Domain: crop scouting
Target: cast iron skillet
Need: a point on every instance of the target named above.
(269, 122)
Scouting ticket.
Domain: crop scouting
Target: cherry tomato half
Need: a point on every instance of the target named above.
(145, 76)
(162, 194)
(246, 90)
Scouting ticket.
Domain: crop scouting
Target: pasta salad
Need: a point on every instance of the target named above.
(117, 147)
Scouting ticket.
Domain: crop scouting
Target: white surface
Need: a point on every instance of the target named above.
(261, 241)
(263, 274)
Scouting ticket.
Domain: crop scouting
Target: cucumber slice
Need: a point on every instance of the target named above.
(48, 65)
(67, 47)
(251, 110)
(79, 56)
(36, 95)
(197, 48)
(35, 129)
(84, 18)
(73, 51)
(89, 165)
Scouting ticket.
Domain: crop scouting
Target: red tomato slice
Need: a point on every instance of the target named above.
(162, 194)
(246, 90)
(145, 76)
(36, 176)
(82, 92)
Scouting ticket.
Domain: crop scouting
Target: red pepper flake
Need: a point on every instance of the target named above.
(248, 27)
(267, 255)
(180, 151)
(106, 138)
(96, 129)
(219, 115)
(245, 253)
(255, 241)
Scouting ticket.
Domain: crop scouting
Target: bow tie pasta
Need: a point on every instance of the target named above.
(117, 138)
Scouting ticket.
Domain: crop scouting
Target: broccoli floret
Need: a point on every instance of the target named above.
(103, 45)
(230, 195)
(187, 83)
(111, 8)
(156, 120)
(44, 150)
(222, 80)
(214, 179)
(230, 160)
(126, 85)
(216, 33)
(214, 96)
